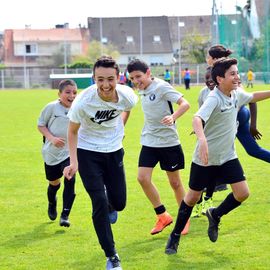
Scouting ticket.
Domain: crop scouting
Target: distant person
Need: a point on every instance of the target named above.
(95, 134)
(128, 81)
(250, 78)
(187, 78)
(215, 157)
(159, 138)
(122, 78)
(167, 76)
(53, 125)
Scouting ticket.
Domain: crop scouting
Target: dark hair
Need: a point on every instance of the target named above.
(208, 71)
(137, 65)
(64, 83)
(106, 62)
(218, 51)
(221, 66)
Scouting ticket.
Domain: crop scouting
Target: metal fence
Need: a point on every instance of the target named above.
(39, 78)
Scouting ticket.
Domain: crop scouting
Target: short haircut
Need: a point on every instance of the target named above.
(137, 65)
(106, 62)
(221, 66)
(219, 51)
(64, 83)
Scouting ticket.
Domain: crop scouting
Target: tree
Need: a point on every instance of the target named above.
(196, 46)
(97, 49)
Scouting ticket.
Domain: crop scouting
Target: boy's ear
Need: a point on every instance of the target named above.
(148, 72)
(219, 79)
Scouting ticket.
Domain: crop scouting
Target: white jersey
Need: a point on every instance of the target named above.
(219, 113)
(101, 125)
(54, 117)
(157, 102)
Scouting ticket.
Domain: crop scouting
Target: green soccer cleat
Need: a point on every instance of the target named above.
(206, 204)
(197, 210)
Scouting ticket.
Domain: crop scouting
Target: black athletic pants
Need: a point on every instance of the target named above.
(98, 170)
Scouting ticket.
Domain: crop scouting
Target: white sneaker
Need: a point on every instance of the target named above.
(113, 263)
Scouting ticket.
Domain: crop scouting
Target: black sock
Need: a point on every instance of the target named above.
(51, 193)
(200, 200)
(160, 209)
(210, 190)
(184, 213)
(68, 196)
(226, 206)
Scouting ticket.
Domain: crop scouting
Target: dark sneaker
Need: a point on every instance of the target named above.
(113, 263)
(64, 221)
(221, 187)
(52, 213)
(172, 245)
(213, 225)
(113, 215)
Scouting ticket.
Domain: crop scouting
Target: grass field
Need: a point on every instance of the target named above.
(29, 240)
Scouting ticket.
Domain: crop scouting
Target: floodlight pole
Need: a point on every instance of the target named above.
(179, 24)
(141, 37)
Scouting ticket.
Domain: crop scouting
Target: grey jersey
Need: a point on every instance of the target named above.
(219, 113)
(203, 95)
(157, 100)
(54, 117)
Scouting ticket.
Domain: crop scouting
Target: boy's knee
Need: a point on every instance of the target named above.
(143, 180)
(242, 196)
(192, 198)
(175, 184)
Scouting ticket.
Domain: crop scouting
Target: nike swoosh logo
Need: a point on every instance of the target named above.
(174, 166)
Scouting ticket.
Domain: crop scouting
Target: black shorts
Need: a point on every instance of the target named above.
(228, 173)
(170, 158)
(54, 172)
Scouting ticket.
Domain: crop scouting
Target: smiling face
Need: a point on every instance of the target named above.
(140, 79)
(231, 79)
(67, 95)
(208, 81)
(106, 80)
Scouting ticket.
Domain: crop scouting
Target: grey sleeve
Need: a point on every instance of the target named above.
(207, 108)
(46, 115)
(171, 94)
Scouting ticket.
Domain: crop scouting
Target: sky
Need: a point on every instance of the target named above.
(36, 14)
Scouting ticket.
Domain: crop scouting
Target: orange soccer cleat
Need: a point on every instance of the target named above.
(186, 229)
(163, 220)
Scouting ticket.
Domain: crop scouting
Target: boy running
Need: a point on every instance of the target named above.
(95, 134)
(215, 158)
(53, 125)
(159, 138)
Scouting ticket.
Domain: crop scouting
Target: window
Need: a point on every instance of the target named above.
(156, 38)
(30, 49)
(130, 39)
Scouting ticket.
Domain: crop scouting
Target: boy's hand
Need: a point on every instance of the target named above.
(203, 151)
(167, 120)
(58, 142)
(70, 171)
(255, 133)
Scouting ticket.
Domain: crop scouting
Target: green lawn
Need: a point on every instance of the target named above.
(29, 240)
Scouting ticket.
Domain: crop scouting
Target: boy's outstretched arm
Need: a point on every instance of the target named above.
(260, 95)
